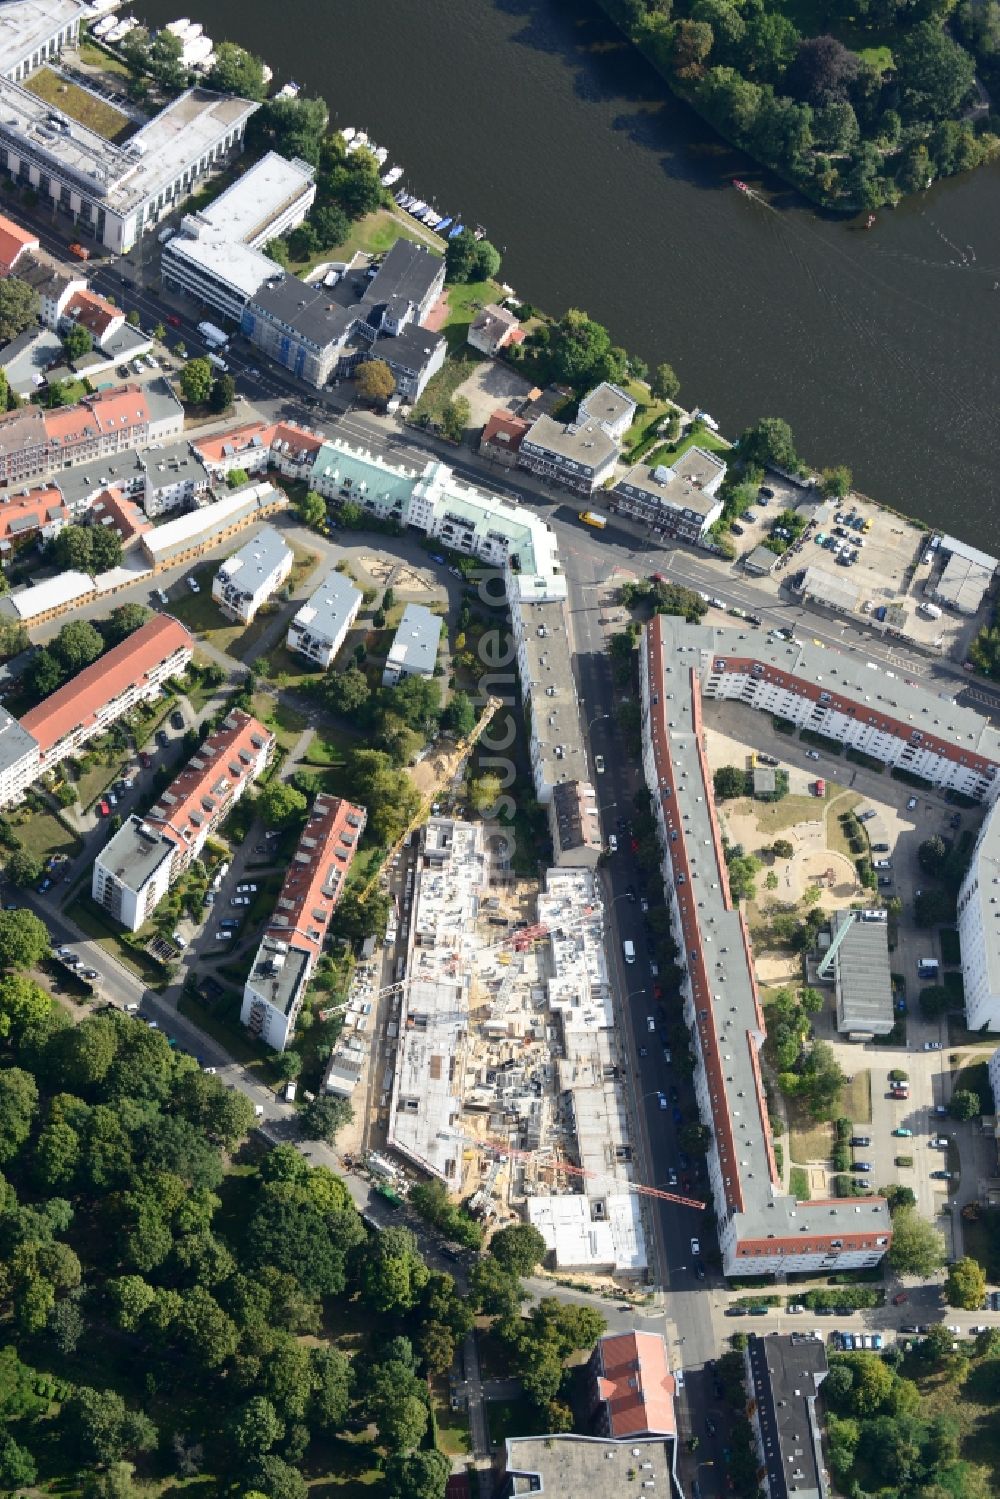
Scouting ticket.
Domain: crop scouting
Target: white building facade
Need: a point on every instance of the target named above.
(247, 580)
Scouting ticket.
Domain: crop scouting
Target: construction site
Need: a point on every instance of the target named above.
(494, 1061)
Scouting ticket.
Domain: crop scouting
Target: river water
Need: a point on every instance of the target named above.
(533, 118)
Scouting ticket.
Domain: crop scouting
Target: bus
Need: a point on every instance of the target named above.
(591, 518)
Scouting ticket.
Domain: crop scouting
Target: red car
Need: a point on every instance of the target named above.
(145, 759)
(104, 809)
(173, 320)
(898, 1300)
(657, 991)
(635, 845)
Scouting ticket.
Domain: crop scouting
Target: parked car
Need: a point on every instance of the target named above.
(145, 759)
(940, 1176)
(862, 1165)
(932, 1046)
(812, 754)
(661, 1099)
(911, 803)
(903, 1133)
(176, 719)
(599, 764)
(104, 809)
(246, 889)
(161, 738)
(239, 900)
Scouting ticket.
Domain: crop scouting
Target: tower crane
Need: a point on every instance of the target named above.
(499, 1147)
(452, 764)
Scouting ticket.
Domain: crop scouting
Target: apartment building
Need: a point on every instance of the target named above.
(130, 673)
(174, 478)
(230, 759)
(108, 192)
(133, 873)
(575, 825)
(186, 536)
(631, 1387)
(414, 648)
(101, 426)
(294, 937)
(581, 454)
(678, 499)
(783, 1376)
(248, 578)
(320, 627)
(20, 759)
(762, 1230)
(979, 929)
(257, 446)
(40, 511)
(548, 686)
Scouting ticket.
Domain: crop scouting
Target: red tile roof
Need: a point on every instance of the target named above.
(505, 431)
(635, 1384)
(79, 701)
(317, 874)
(254, 436)
(93, 313)
(20, 514)
(13, 242)
(203, 792)
(123, 515)
(115, 410)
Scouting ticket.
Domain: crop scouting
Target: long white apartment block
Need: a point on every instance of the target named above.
(979, 929)
(425, 1110)
(762, 1229)
(596, 1226)
(248, 578)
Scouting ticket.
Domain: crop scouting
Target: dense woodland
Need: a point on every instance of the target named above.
(856, 102)
(176, 1301)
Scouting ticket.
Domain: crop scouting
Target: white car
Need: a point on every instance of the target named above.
(812, 754)
(599, 764)
(612, 844)
(178, 941)
(193, 585)
(650, 1023)
(679, 1378)
(239, 900)
(246, 889)
(911, 803)
(210, 1071)
(696, 1246)
(64, 952)
(661, 1099)
(932, 1046)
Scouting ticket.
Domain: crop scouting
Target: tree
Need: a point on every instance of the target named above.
(392, 1273)
(375, 381)
(695, 1136)
(256, 1427)
(781, 848)
(331, 224)
(311, 508)
(77, 645)
(324, 1117)
(223, 392)
(77, 341)
(932, 854)
(965, 1104)
(330, 1387)
(72, 548)
(124, 621)
(518, 1248)
(837, 482)
(99, 1428)
(692, 44)
(484, 791)
(469, 259)
(389, 794)
(582, 354)
(965, 1285)
(115, 1482)
(236, 71)
(917, 1248)
(769, 441)
(280, 805)
(456, 417)
(823, 69)
(932, 907)
(347, 692)
(197, 379)
(24, 940)
(237, 477)
(303, 242)
(729, 781)
(18, 307)
(416, 1475)
(17, 1466)
(460, 714)
(934, 74)
(277, 1479)
(665, 385)
(23, 869)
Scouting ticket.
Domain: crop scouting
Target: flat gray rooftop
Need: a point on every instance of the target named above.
(15, 742)
(277, 972)
(786, 1372)
(665, 485)
(325, 611)
(256, 559)
(864, 986)
(570, 1467)
(257, 197)
(212, 251)
(555, 716)
(26, 24)
(415, 643)
(135, 853)
(606, 403)
(587, 444)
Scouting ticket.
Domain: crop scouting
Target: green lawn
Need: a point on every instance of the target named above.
(203, 617)
(222, 1022)
(973, 1073)
(285, 722)
(95, 57)
(710, 441)
(79, 104)
(374, 234)
(775, 817)
(328, 749)
(43, 835)
(641, 436)
(442, 386)
(513, 1418)
(798, 1183)
(464, 302)
(100, 929)
(453, 1426)
(287, 668)
(856, 1098)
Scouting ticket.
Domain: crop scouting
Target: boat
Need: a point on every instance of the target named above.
(740, 186)
(457, 229)
(401, 195)
(381, 155)
(431, 218)
(445, 222)
(348, 132)
(290, 90)
(391, 176)
(870, 224)
(417, 208)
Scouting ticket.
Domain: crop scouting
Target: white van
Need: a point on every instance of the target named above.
(628, 949)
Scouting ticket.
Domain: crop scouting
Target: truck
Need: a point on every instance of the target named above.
(212, 335)
(217, 361)
(389, 1193)
(592, 518)
(290, 1092)
(932, 611)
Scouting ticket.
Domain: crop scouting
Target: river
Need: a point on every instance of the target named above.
(535, 119)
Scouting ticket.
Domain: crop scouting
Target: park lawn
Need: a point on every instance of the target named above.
(287, 668)
(96, 57)
(285, 722)
(856, 1098)
(836, 839)
(452, 1426)
(809, 1139)
(707, 439)
(641, 436)
(201, 615)
(374, 234)
(42, 835)
(366, 861)
(798, 1183)
(79, 104)
(305, 561)
(327, 750)
(464, 302)
(95, 781)
(775, 817)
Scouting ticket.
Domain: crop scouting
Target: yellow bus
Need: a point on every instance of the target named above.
(591, 518)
